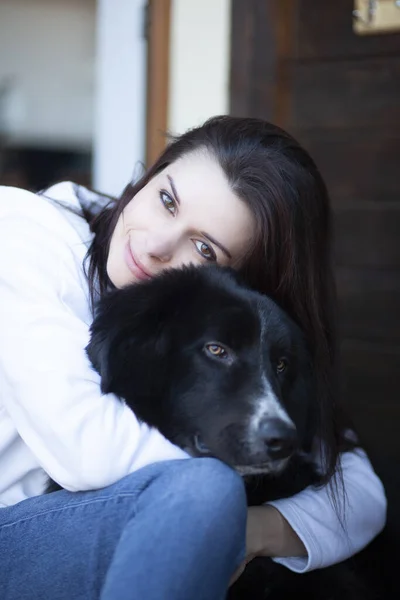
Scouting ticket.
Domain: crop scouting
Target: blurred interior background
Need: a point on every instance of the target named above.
(47, 72)
(88, 90)
(79, 79)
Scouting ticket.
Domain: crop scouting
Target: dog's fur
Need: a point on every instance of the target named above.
(149, 343)
(157, 345)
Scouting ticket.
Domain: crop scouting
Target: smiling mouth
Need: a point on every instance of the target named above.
(134, 265)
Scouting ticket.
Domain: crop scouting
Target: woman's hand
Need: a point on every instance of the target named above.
(268, 534)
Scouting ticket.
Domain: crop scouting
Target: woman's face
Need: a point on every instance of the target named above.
(187, 214)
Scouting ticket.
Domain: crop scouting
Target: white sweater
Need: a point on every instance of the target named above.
(53, 417)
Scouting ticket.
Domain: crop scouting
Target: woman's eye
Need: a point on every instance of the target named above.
(168, 202)
(205, 250)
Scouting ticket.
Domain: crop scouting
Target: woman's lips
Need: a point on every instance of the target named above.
(134, 266)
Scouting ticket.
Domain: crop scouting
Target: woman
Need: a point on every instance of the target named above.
(131, 522)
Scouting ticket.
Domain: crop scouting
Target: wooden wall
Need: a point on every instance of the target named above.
(299, 64)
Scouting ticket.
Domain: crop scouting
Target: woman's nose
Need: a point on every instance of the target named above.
(161, 247)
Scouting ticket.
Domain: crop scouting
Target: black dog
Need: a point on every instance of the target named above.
(217, 368)
(221, 370)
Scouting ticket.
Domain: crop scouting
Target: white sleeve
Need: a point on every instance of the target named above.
(82, 439)
(328, 539)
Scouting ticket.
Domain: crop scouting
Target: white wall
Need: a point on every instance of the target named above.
(120, 93)
(199, 62)
(47, 51)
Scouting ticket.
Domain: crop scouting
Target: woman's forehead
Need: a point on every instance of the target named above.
(205, 197)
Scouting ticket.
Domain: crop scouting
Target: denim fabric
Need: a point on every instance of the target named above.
(173, 530)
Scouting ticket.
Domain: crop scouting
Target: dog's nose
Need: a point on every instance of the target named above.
(279, 437)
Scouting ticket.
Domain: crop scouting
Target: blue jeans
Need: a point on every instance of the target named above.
(173, 530)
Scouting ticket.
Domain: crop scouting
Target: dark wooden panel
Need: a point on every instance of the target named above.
(325, 31)
(347, 94)
(357, 165)
(372, 375)
(341, 97)
(369, 304)
(372, 380)
(260, 75)
(368, 237)
(253, 56)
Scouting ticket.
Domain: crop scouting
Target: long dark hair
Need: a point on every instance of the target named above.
(291, 256)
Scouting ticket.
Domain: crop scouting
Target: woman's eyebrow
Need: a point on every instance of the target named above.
(175, 193)
(213, 241)
(206, 235)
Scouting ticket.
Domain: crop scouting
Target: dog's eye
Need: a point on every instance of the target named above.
(281, 365)
(217, 351)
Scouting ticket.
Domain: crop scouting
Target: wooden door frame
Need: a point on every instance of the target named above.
(157, 94)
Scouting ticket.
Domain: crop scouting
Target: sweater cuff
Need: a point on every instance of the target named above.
(298, 564)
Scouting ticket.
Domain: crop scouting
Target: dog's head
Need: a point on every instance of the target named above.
(217, 368)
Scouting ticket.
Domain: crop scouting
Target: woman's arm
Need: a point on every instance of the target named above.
(269, 534)
(82, 439)
(304, 532)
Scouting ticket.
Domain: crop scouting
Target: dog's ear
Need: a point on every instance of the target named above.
(128, 334)
(136, 326)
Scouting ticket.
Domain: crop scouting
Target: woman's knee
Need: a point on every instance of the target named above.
(199, 484)
(209, 477)
(205, 485)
